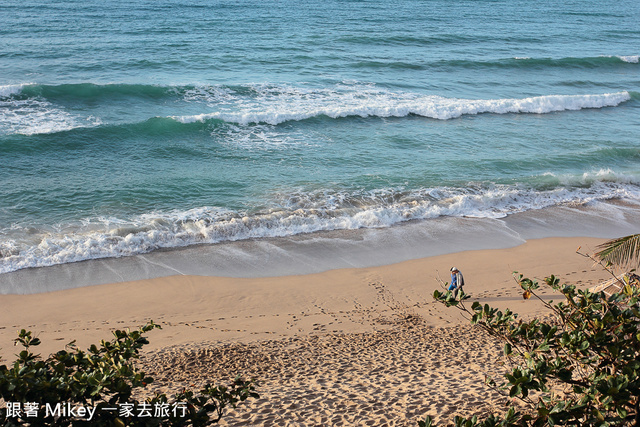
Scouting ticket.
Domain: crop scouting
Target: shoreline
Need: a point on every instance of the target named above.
(330, 250)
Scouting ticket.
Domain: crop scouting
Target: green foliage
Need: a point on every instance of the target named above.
(105, 377)
(581, 368)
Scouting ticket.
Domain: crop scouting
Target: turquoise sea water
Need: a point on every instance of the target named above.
(126, 127)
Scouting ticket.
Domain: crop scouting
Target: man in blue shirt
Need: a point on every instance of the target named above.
(457, 281)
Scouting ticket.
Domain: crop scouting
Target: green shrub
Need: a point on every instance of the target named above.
(580, 368)
(41, 392)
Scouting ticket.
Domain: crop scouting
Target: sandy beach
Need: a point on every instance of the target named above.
(363, 346)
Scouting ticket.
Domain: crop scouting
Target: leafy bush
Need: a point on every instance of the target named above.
(51, 391)
(580, 368)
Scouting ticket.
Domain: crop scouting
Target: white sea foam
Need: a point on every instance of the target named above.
(299, 212)
(633, 59)
(9, 90)
(37, 116)
(263, 137)
(210, 94)
(600, 178)
(275, 105)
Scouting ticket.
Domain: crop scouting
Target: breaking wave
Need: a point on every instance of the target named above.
(40, 109)
(377, 103)
(299, 212)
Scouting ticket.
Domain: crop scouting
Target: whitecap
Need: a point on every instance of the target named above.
(37, 116)
(9, 90)
(278, 105)
(632, 59)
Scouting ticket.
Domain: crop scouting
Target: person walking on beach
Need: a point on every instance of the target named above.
(457, 281)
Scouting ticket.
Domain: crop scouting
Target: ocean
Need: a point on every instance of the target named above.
(132, 128)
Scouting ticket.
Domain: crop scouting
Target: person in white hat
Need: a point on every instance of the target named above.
(457, 281)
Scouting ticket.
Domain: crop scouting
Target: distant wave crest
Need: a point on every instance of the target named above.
(39, 109)
(8, 90)
(375, 103)
(632, 59)
(24, 114)
(528, 62)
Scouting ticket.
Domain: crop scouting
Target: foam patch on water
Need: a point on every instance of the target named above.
(600, 177)
(296, 212)
(32, 116)
(9, 90)
(261, 137)
(280, 104)
(632, 59)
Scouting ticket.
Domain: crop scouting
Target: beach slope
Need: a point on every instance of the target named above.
(345, 347)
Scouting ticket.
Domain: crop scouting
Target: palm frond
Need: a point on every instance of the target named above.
(623, 251)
